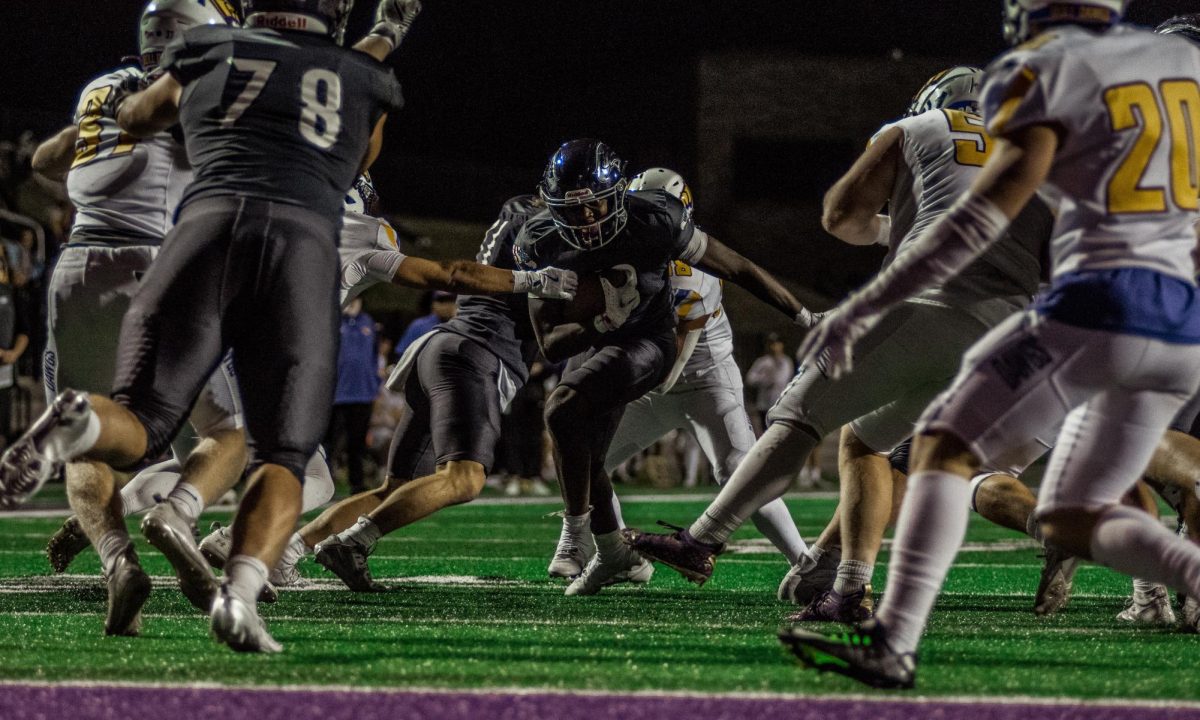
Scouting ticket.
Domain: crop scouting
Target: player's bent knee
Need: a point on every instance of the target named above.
(562, 411)
(943, 450)
(465, 479)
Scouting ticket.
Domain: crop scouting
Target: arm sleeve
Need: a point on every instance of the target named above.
(369, 268)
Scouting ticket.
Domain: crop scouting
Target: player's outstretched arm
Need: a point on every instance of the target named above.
(472, 278)
(724, 262)
(53, 157)
(150, 111)
(393, 20)
(852, 205)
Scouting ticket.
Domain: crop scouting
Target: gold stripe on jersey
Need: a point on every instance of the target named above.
(1020, 87)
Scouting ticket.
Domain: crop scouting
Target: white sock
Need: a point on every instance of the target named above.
(245, 576)
(364, 532)
(577, 524)
(70, 443)
(852, 576)
(111, 546)
(1142, 587)
(156, 480)
(186, 500)
(294, 552)
(816, 552)
(775, 523)
(609, 545)
(764, 475)
(1130, 541)
(930, 530)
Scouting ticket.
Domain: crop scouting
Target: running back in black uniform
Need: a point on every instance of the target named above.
(277, 126)
(463, 374)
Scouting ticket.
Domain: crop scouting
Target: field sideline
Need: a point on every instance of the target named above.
(472, 626)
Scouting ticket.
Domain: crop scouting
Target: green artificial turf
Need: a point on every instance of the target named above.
(471, 607)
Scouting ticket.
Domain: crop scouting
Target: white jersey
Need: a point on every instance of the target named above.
(124, 189)
(1127, 104)
(697, 295)
(943, 151)
(367, 247)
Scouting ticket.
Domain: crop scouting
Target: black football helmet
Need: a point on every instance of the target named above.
(584, 188)
(323, 17)
(1185, 25)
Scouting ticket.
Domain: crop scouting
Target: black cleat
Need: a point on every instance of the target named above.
(1054, 587)
(679, 550)
(66, 544)
(832, 607)
(128, 588)
(862, 653)
(347, 560)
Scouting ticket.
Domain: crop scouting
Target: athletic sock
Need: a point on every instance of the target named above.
(930, 530)
(364, 532)
(1142, 587)
(577, 524)
(245, 576)
(111, 546)
(775, 523)
(609, 545)
(1131, 541)
(294, 552)
(186, 500)
(852, 576)
(816, 552)
(765, 474)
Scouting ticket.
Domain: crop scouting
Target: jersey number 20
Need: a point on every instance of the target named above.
(320, 100)
(1138, 106)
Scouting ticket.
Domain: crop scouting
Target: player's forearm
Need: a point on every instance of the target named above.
(375, 46)
(473, 278)
(564, 341)
(54, 156)
(153, 110)
(763, 285)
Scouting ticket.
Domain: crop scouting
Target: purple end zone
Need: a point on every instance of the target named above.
(101, 702)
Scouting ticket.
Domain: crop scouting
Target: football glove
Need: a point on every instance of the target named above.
(129, 85)
(394, 18)
(619, 302)
(548, 283)
(830, 343)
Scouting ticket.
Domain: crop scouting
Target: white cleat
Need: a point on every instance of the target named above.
(39, 454)
(236, 623)
(809, 578)
(575, 548)
(286, 576)
(627, 567)
(1150, 608)
(217, 545)
(1191, 615)
(172, 535)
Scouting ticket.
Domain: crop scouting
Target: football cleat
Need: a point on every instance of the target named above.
(1191, 616)
(348, 560)
(629, 567)
(172, 536)
(1149, 608)
(575, 548)
(809, 578)
(128, 588)
(829, 606)
(38, 455)
(217, 545)
(679, 550)
(862, 653)
(1054, 587)
(285, 576)
(66, 544)
(236, 623)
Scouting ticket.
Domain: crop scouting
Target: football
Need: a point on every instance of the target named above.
(588, 302)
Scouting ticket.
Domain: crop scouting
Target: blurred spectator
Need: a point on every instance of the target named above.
(766, 379)
(14, 338)
(357, 386)
(442, 307)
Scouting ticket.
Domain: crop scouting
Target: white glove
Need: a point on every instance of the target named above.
(830, 343)
(619, 302)
(394, 18)
(807, 319)
(548, 283)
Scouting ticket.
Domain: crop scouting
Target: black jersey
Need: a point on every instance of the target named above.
(500, 322)
(657, 232)
(278, 116)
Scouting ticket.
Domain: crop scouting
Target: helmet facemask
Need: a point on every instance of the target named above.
(588, 220)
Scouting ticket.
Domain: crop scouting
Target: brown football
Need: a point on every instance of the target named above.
(588, 302)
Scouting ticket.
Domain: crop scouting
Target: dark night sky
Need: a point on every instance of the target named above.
(496, 85)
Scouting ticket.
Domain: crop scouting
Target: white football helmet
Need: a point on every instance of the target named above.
(664, 179)
(1021, 16)
(954, 89)
(165, 20)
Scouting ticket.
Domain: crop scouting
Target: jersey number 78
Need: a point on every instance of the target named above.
(320, 99)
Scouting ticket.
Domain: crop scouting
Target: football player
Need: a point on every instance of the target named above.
(1098, 111)
(250, 266)
(125, 190)
(592, 225)
(702, 394)
(917, 167)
